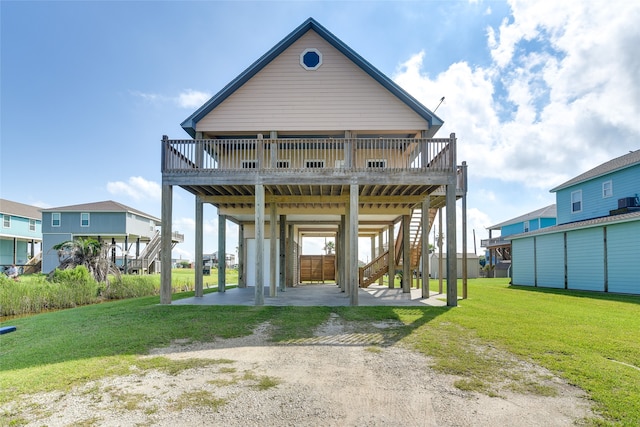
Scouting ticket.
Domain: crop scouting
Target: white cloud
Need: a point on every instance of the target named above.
(136, 188)
(192, 98)
(560, 96)
(188, 98)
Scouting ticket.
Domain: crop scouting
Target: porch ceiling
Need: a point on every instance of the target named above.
(373, 197)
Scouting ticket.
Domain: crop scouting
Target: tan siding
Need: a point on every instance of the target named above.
(284, 96)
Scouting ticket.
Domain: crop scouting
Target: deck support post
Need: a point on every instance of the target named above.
(353, 243)
(199, 292)
(283, 252)
(347, 249)
(222, 253)
(342, 277)
(165, 251)
(452, 252)
(465, 273)
(425, 247)
(242, 283)
(259, 221)
(380, 251)
(392, 256)
(406, 254)
(440, 254)
(291, 253)
(273, 249)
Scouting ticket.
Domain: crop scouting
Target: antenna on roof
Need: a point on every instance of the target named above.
(441, 101)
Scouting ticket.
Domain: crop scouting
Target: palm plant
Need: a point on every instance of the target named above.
(92, 254)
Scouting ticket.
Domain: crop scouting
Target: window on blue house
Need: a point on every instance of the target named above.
(32, 225)
(607, 189)
(6, 221)
(84, 219)
(55, 219)
(526, 226)
(576, 201)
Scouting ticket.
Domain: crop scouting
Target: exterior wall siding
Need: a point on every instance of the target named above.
(20, 228)
(550, 260)
(522, 264)
(50, 256)
(625, 183)
(623, 257)
(284, 96)
(139, 226)
(510, 229)
(107, 223)
(6, 252)
(585, 259)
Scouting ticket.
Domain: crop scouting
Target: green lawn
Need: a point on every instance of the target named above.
(592, 340)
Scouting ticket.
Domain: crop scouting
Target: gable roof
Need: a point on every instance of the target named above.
(20, 209)
(106, 206)
(616, 164)
(546, 212)
(189, 125)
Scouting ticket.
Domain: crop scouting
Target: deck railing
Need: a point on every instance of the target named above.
(300, 155)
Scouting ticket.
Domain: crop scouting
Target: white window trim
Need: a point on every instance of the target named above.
(32, 225)
(53, 218)
(314, 161)
(6, 221)
(381, 161)
(526, 226)
(317, 52)
(88, 219)
(604, 193)
(572, 202)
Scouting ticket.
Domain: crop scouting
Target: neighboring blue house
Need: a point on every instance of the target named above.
(122, 226)
(498, 249)
(20, 233)
(596, 244)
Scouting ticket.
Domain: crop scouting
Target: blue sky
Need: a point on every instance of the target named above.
(536, 92)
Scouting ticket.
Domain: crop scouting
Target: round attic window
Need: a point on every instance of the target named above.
(311, 59)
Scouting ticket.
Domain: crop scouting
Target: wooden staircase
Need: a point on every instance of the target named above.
(378, 267)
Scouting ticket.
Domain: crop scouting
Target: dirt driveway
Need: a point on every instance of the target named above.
(341, 377)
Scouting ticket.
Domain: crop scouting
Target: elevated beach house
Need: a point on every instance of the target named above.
(311, 138)
(595, 245)
(498, 249)
(133, 235)
(20, 234)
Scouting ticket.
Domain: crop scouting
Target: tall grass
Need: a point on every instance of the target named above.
(75, 287)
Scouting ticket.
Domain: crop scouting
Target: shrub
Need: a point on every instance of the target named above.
(129, 286)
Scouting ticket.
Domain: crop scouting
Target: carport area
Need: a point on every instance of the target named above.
(328, 295)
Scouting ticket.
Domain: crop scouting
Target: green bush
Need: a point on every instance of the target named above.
(129, 286)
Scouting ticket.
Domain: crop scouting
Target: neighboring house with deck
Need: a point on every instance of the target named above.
(311, 139)
(596, 243)
(20, 236)
(498, 249)
(134, 235)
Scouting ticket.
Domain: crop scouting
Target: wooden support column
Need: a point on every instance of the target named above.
(222, 253)
(124, 255)
(165, 251)
(373, 248)
(380, 252)
(283, 253)
(242, 283)
(452, 256)
(425, 247)
(392, 256)
(353, 243)
(199, 288)
(464, 231)
(440, 254)
(259, 219)
(406, 254)
(291, 261)
(273, 250)
(113, 250)
(342, 260)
